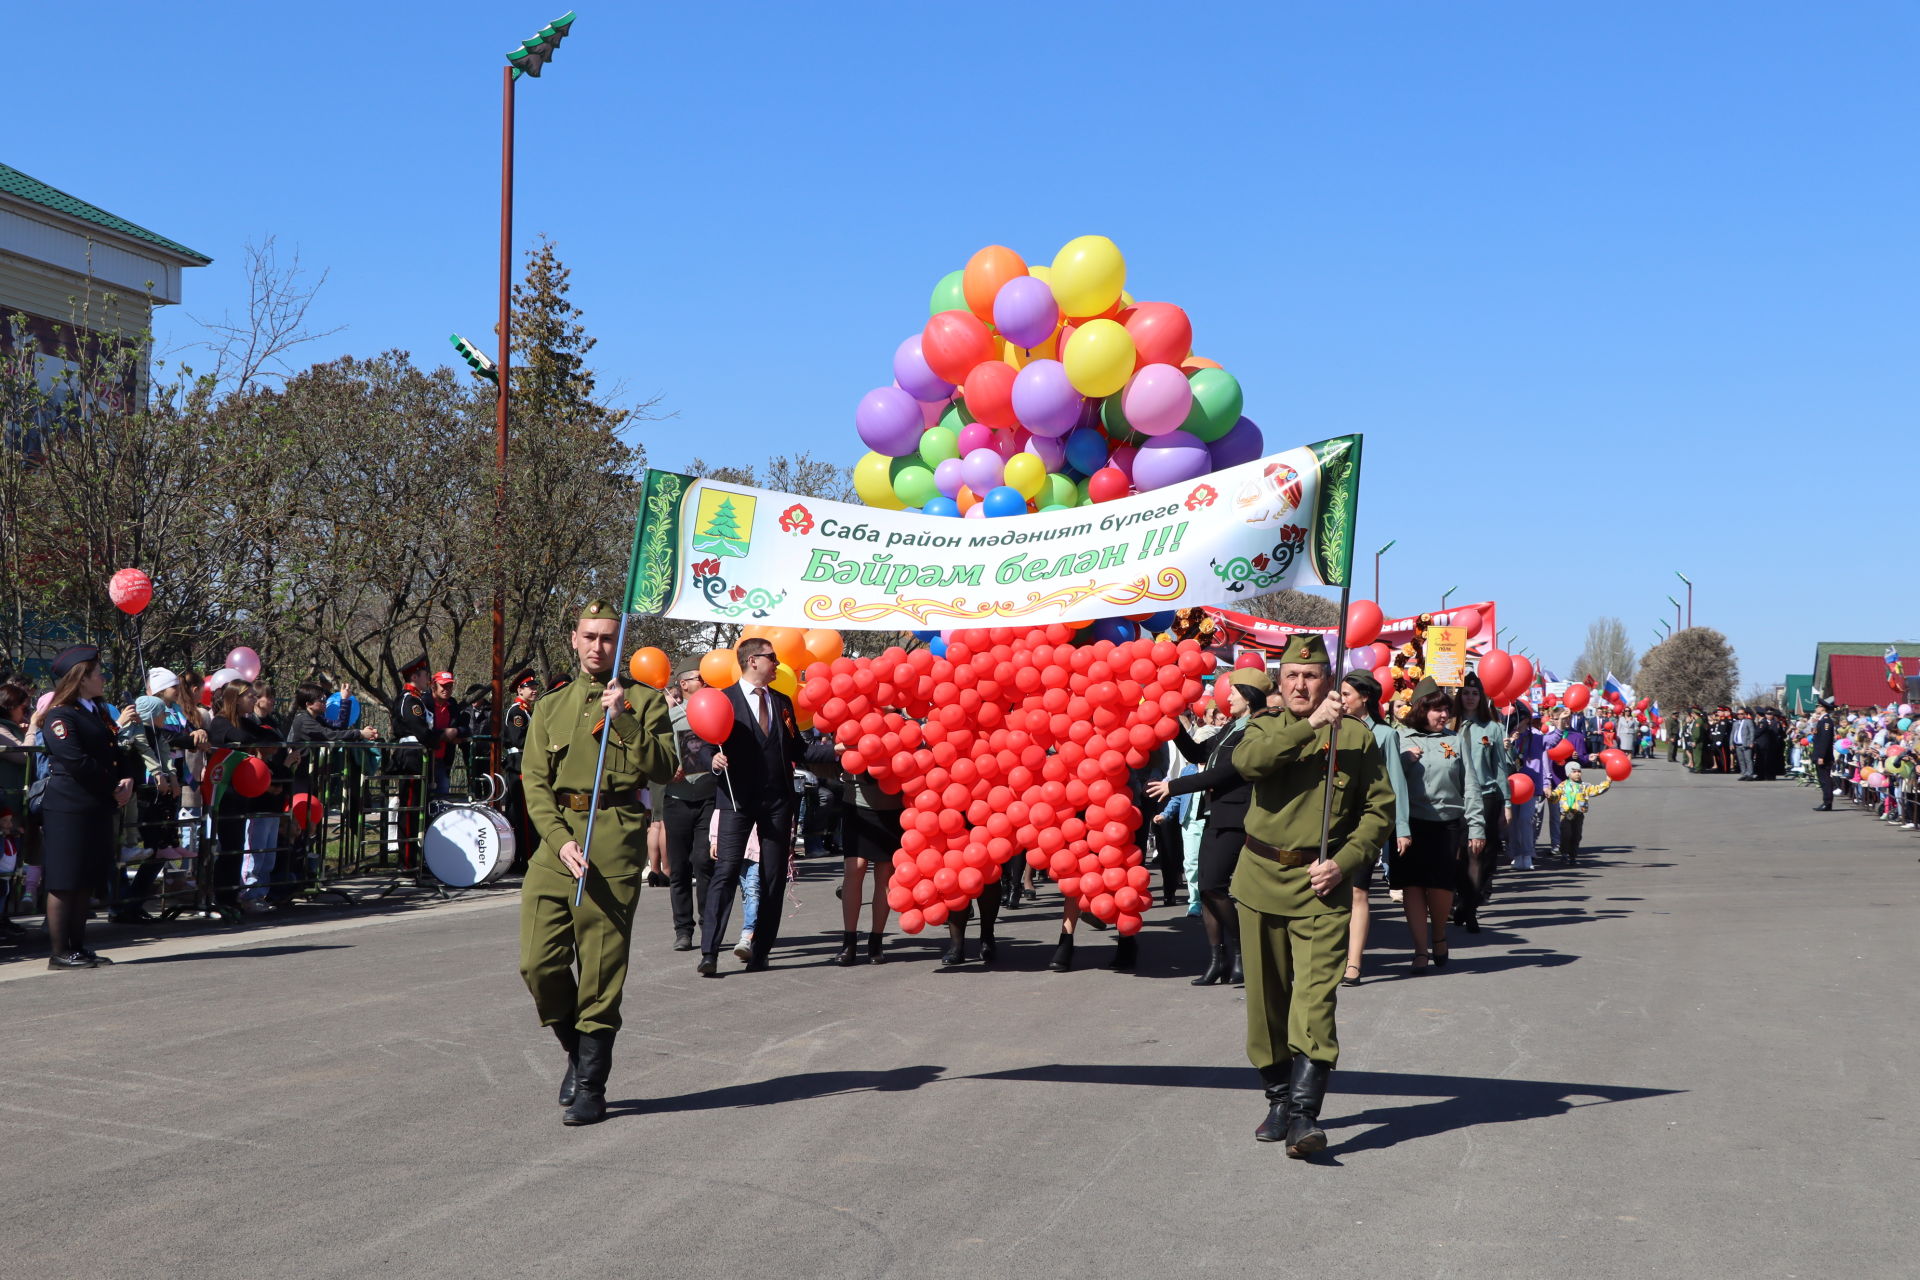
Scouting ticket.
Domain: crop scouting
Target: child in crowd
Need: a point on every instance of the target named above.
(1573, 796)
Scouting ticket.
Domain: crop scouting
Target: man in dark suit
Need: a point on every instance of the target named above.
(755, 793)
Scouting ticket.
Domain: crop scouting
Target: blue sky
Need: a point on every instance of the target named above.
(1611, 291)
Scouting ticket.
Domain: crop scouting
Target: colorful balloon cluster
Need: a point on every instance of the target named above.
(1014, 740)
(796, 648)
(1032, 388)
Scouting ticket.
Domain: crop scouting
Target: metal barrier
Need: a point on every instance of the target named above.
(375, 801)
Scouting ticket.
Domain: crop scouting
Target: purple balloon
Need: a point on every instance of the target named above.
(1024, 311)
(1242, 443)
(947, 478)
(1173, 458)
(889, 421)
(1051, 452)
(982, 470)
(1122, 457)
(1156, 400)
(977, 511)
(931, 410)
(1043, 399)
(915, 378)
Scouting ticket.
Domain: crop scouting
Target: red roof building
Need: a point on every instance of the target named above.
(1861, 681)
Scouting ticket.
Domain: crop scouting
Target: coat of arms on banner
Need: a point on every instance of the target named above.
(724, 523)
(1269, 495)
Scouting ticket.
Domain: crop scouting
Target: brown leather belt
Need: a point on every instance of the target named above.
(582, 801)
(1285, 857)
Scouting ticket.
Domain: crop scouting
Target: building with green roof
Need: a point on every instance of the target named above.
(69, 265)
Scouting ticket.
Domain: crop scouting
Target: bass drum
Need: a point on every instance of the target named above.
(468, 845)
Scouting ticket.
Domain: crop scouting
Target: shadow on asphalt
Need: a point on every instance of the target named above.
(287, 949)
(794, 1088)
(1458, 1102)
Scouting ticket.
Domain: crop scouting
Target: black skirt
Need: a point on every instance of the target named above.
(1219, 854)
(1428, 861)
(77, 848)
(873, 834)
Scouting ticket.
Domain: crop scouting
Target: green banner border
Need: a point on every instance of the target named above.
(1337, 508)
(655, 566)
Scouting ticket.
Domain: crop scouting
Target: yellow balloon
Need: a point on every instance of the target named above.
(1021, 357)
(1041, 272)
(873, 481)
(1099, 358)
(785, 681)
(1088, 275)
(1026, 473)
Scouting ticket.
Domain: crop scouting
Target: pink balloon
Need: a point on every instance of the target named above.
(246, 662)
(1364, 658)
(975, 435)
(1468, 618)
(1157, 399)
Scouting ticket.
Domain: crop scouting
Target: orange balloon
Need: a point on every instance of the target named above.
(790, 646)
(1198, 362)
(650, 667)
(986, 271)
(756, 632)
(720, 669)
(965, 499)
(826, 645)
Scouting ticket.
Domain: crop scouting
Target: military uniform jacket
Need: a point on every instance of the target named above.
(1285, 758)
(561, 749)
(513, 738)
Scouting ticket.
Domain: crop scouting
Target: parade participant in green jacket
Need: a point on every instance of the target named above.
(1697, 740)
(562, 747)
(1294, 910)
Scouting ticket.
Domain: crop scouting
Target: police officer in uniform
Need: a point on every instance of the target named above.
(1294, 910)
(88, 778)
(563, 743)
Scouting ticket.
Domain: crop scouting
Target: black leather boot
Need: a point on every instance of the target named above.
(592, 1060)
(848, 950)
(1305, 1137)
(988, 952)
(1278, 1080)
(1062, 954)
(1238, 976)
(876, 953)
(956, 953)
(1217, 968)
(570, 1041)
(1126, 953)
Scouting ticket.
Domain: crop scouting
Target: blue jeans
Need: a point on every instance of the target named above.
(749, 897)
(256, 865)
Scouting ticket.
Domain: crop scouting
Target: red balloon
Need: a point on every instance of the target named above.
(251, 777)
(1364, 621)
(1250, 660)
(306, 811)
(130, 590)
(1561, 751)
(1468, 618)
(1161, 333)
(1108, 483)
(1496, 673)
(1577, 697)
(1619, 767)
(1522, 786)
(989, 394)
(1522, 678)
(953, 343)
(710, 714)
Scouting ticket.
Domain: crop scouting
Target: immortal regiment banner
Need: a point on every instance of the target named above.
(1261, 633)
(708, 551)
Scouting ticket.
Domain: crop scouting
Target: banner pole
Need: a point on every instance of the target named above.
(613, 682)
(1340, 663)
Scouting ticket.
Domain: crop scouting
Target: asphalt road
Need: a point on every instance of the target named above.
(1693, 1058)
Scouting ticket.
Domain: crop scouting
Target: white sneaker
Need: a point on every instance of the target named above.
(1396, 895)
(744, 948)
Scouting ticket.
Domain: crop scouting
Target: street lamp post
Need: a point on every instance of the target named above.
(1443, 597)
(1676, 611)
(1689, 581)
(528, 59)
(1376, 568)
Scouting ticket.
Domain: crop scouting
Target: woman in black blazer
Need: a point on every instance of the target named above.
(1227, 795)
(88, 779)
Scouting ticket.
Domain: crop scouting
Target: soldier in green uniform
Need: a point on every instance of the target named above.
(1697, 741)
(1294, 910)
(562, 746)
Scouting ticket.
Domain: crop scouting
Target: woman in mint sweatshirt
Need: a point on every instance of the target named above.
(1443, 809)
(1484, 739)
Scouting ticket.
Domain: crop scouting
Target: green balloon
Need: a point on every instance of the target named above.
(1119, 430)
(1085, 498)
(937, 444)
(948, 295)
(1217, 402)
(1058, 491)
(913, 481)
(1058, 506)
(955, 418)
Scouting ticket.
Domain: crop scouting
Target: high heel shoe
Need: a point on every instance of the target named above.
(874, 953)
(848, 951)
(1217, 968)
(1440, 955)
(1421, 961)
(1062, 955)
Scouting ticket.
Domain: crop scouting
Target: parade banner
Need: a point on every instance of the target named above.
(1263, 633)
(708, 551)
(1447, 656)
